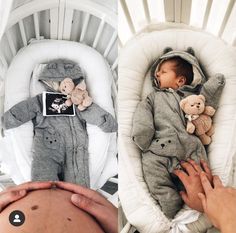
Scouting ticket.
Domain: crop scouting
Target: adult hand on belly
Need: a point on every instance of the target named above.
(15, 193)
(93, 203)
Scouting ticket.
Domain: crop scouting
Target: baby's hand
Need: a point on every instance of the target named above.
(192, 182)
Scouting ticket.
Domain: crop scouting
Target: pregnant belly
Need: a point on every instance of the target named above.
(48, 211)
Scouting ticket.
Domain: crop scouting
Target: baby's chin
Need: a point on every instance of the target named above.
(167, 87)
(48, 211)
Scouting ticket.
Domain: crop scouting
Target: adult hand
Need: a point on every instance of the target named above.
(15, 193)
(93, 203)
(219, 204)
(192, 182)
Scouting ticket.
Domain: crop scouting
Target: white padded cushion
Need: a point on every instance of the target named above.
(102, 146)
(216, 57)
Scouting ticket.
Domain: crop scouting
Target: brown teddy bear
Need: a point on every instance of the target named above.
(77, 95)
(80, 97)
(199, 117)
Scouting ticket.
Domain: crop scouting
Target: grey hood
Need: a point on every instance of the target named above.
(199, 77)
(57, 70)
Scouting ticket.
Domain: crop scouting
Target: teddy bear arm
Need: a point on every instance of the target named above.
(81, 107)
(205, 139)
(68, 102)
(210, 111)
(87, 101)
(190, 127)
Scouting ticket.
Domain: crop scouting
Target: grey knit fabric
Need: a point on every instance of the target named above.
(159, 130)
(60, 148)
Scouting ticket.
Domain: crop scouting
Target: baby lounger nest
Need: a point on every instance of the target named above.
(16, 146)
(134, 84)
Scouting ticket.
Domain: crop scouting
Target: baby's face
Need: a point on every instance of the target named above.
(167, 76)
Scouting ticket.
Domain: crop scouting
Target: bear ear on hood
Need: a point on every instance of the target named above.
(167, 50)
(190, 51)
(69, 66)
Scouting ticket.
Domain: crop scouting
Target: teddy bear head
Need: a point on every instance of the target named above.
(193, 104)
(66, 86)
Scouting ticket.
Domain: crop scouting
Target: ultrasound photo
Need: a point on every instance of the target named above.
(54, 105)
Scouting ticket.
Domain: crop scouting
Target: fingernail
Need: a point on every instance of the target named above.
(22, 192)
(203, 173)
(75, 198)
(199, 195)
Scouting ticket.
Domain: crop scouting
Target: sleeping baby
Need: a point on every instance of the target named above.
(60, 145)
(159, 125)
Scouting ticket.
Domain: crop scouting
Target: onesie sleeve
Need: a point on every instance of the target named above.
(97, 116)
(212, 90)
(20, 113)
(143, 123)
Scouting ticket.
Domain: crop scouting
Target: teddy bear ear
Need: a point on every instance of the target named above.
(182, 103)
(167, 50)
(67, 79)
(202, 97)
(81, 85)
(190, 51)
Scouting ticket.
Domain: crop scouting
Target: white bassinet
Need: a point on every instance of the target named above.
(215, 56)
(39, 31)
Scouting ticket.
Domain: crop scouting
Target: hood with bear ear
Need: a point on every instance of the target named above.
(188, 55)
(57, 70)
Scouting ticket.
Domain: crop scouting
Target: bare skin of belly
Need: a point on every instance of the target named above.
(49, 211)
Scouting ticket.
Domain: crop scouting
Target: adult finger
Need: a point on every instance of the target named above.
(89, 193)
(11, 196)
(217, 182)
(184, 196)
(87, 204)
(188, 167)
(29, 186)
(107, 216)
(182, 176)
(205, 183)
(202, 197)
(196, 166)
(205, 167)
